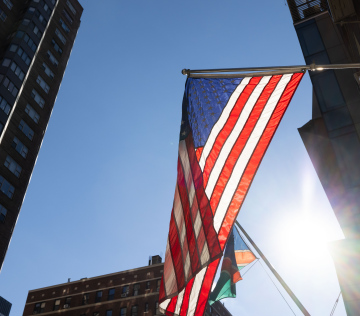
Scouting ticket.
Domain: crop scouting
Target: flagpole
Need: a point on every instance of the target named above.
(277, 275)
(262, 71)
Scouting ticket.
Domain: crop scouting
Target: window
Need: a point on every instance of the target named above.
(10, 86)
(6, 62)
(19, 147)
(24, 56)
(31, 9)
(32, 113)
(72, 9)
(37, 32)
(136, 289)
(134, 310)
(52, 58)
(56, 46)
(2, 15)
(30, 42)
(4, 105)
(147, 285)
(64, 26)
(38, 99)
(13, 166)
(67, 302)
(67, 15)
(125, 290)
(43, 84)
(158, 282)
(6, 187)
(42, 20)
(13, 48)
(123, 311)
(59, 34)
(17, 70)
(25, 21)
(156, 308)
(3, 212)
(29, 133)
(45, 6)
(109, 312)
(111, 294)
(98, 296)
(56, 305)
(48, 71)
(146, 307)
(85, 299)
(8, 4)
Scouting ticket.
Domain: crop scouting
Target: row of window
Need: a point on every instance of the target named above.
(24, 56)
(8, 3)
(3, 15)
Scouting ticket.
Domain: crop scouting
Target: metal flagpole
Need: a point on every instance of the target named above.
(261, 71)
(277, 275)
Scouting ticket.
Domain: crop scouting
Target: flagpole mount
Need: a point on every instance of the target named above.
(262, 71)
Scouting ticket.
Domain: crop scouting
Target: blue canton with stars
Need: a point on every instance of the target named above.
(204, 100)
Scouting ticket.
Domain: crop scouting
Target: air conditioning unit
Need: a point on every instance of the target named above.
(66, 306)
(124, 295)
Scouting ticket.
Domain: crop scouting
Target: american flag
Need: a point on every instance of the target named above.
(227, 125)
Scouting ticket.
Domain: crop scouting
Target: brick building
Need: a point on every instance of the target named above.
(132, 292)
(36, 39)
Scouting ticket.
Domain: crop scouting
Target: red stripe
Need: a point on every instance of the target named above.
(241, 141)
(203, 202)
(199, 152)
(206, 287)
(171, 307)
(190, 234)
(162, 291)
(175, 248)
(256, 158)
(228, 127)
(185, 302)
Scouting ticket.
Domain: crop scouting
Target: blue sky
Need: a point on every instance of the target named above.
(100, 197)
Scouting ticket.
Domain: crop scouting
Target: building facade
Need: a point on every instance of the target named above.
(329, 33)
(5, 307)
(128, 293)
(36, 39)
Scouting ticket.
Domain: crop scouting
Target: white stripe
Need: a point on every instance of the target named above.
(184, 156)
(229, 143)
(195, 291)
(245, 156)
(221, 121)
(163, 306)
(179, 301)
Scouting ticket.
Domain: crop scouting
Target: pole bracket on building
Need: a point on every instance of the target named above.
(262, 71)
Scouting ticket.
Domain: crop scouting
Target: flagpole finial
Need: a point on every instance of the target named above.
(185, 72)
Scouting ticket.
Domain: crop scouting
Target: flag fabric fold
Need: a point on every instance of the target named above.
(237, 255)
(227, 125)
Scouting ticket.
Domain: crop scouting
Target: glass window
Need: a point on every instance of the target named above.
(4, 105)
(56, 305)
(52, 58)
(41, 18)
(17, 70)
(136, 289)
(30, 42)
(56, 46)
(67, 16)
(111, 294)
(20, 147)
(98, 296)
(2, 15)
(13, 166)
(134, 310)
(123, 311)
(32, 113)
(72, 9)
(109, 312)
(64, 26)
(43, 84)
(3, 212)
(10, 86)
(24, 56)
(48, 71)
(13, 48)
(310, 39)
(37, 31)
(8, 4)
(85, 299)
(6, 62)
(38, 99)
(68, 302)
(158, 282)
(6, 187)
(25, 21)
(147, 285)
(29, 133)
(125, 289)
(146, 307)
(60, 36)
(156, 308)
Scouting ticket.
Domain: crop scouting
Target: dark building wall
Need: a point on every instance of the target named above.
(5, 307)
(36, 37)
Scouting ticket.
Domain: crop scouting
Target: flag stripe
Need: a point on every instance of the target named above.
(237, 116)
(246, 154)
(253, 163)
(185, 303)
(233, 147)
(179, 302)
(221, 122)
(195, 291)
